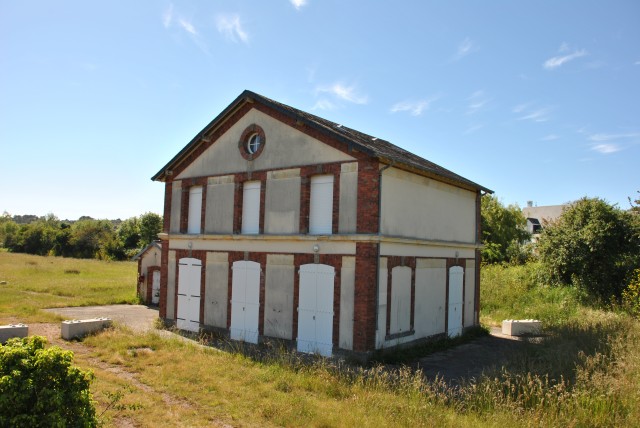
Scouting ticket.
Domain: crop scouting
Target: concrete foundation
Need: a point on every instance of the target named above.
(521, 327)
(78, 328)
(13, 330)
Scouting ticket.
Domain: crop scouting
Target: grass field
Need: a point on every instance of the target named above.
(35, 282)
(586, 373)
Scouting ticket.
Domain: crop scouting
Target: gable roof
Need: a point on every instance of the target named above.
(383, 150)
(153, 244)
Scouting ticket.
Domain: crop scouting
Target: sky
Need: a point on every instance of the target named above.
(536, 100)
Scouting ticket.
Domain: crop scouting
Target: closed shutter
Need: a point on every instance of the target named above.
(251, 208)
(195, 210)
(321, 209)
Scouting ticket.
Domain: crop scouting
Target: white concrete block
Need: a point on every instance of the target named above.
(13, 330)
(77, 328)
(521, 327)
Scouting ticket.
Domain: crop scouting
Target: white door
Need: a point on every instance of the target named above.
(155, 287)
(189, 274)
(245, 301)
(321, 205)
(251, 208)
(194, 223)
(315, 309)
(454, 320)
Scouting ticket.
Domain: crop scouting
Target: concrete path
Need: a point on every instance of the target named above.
(136, 317)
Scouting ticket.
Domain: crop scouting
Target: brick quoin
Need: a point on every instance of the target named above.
(368, 195)
(364, 311)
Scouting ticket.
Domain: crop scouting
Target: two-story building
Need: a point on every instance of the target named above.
(281, 224)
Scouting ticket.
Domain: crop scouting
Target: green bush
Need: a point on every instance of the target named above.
(631, 295)
(40, 388)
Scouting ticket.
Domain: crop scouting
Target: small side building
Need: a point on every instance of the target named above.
(149, 259)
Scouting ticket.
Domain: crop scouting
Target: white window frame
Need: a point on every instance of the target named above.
(321, 205)
(251, 207)
(194, 219)
(253, 143)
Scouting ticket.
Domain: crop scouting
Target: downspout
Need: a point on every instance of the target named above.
(379, 240)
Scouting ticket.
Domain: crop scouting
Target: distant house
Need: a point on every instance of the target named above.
(281, 224)
(149, 273)
(539, 217)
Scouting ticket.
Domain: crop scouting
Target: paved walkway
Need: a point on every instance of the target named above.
(136, 317)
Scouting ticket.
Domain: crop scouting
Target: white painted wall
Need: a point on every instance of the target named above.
(431, 297)
(223, 157)
(278, 309)
(415, 206)
(216, 292)
(219, 205)
(176, 201)
(347, 295)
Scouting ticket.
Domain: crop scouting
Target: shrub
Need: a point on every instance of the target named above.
(40, 388)
(631, 295)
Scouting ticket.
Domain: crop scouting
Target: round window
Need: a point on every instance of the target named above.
(252, 142)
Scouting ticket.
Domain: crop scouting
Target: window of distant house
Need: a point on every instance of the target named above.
(251, 207)
(195, 210)
(252, 142)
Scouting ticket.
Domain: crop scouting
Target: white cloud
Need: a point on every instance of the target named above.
(187, 26)
(637, 63)
(610, 137)
(477, 101)
(539, 115)
(323, 104)
(298, 4)
(520, 107)
(557, 61)
(606, 149)
(465, 48)
(345, 93)
(231, 28)
(550, 137)
(167, 16)
(415, 108)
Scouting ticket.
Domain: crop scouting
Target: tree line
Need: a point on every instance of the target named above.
(593, 246)
(84, 238)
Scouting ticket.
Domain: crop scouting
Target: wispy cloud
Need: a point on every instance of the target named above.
(187, 26)
(606, 149)
(473, 128)
(613, 137)
(529, 111)
(636, 63)
(231, 27)
(415, 108)
(550, 137)
(343, 92)
(167, 16)
(559, 60)
(323, 104)
(298, 4)
(477, 101)
(465, 47)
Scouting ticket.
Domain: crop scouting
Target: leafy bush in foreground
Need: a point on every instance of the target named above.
(40, 388)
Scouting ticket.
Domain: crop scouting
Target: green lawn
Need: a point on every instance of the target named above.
(35, 282)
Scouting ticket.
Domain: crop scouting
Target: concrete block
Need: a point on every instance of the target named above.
(521, 327)
(78, 328)
(13, 330)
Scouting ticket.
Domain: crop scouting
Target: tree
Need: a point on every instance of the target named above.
(129, 233)
(592, 245)
(503, 231)
(150, 226)
(40, 388)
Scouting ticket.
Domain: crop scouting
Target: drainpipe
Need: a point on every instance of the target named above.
(379, 239)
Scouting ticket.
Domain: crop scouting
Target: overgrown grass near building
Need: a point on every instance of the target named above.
(29, 283)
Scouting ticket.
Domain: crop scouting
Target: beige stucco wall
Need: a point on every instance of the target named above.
(433, 250)
(219, 207)
(278, 298)
(264, 245)
(171, 285)
(216, 290)
(431, 297)
(381, 328)
(176, 201)
(469, 293)
(347, 295)
(282, 202)
(347, 215)
(416, 206)
(285, 147)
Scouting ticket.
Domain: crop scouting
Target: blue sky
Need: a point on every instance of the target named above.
(535, 100)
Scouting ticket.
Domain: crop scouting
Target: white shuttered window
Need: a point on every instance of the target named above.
(251, 207)
(195, 210)
(321, 209)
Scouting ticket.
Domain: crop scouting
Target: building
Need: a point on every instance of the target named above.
(149, 273)
(539, 217)
(281, 224)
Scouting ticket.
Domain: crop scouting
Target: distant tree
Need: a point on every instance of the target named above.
(592, 245)
(8, 230)
(87, 237)
(150, 226)
(129, 233)
(503, 231)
